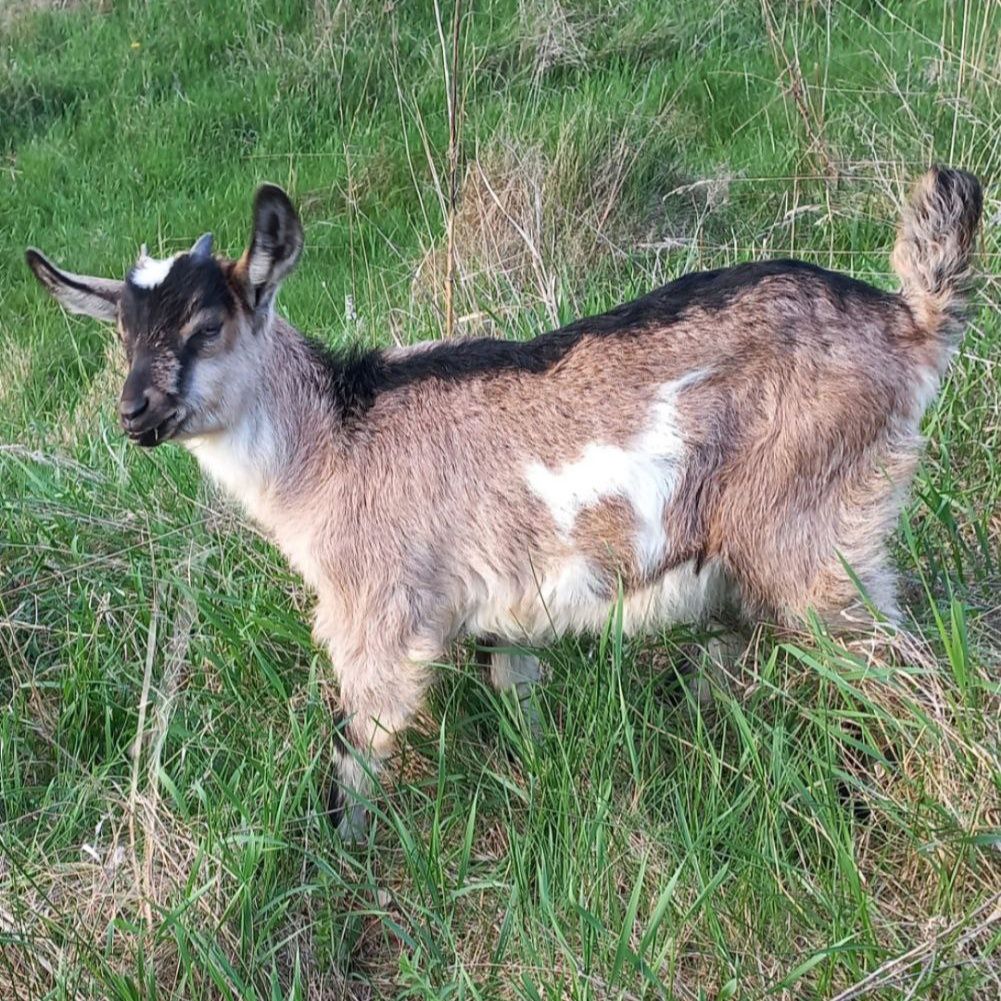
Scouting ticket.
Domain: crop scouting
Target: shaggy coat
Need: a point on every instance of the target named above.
(738, 441)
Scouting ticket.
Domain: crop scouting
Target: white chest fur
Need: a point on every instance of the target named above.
(242, 463)
(232, 460)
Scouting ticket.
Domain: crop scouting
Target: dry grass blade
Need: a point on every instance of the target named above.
(454, 127)
(893, 971)
(142, 874)
(789, 65)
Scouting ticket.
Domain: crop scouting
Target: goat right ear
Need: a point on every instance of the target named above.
(83, 294)
(275, 246)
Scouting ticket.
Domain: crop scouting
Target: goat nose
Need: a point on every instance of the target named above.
(130, 407)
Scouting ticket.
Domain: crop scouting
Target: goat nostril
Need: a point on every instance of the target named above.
(132, 407)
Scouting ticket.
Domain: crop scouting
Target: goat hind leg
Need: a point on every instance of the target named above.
(723, 652)
(518, 672)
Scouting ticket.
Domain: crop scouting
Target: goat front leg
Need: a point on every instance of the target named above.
(375, 703)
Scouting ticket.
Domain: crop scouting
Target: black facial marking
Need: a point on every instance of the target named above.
(158, 313)
(356, 379)
(139, 375)
(153, 317)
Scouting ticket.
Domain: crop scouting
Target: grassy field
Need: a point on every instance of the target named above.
(828, 828)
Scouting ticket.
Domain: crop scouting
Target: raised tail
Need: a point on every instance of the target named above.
(934, 247)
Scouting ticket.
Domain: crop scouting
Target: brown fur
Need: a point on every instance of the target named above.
(737, 438)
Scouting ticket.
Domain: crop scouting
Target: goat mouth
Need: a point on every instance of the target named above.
(163, 431)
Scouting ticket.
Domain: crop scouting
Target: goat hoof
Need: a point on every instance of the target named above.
(335, 804)
(353, 825)
(350, 821)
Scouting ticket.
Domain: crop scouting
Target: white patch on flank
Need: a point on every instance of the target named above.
(645, 474)
(570, 594)
(151, 271)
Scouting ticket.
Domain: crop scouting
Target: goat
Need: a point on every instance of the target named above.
(739, 439)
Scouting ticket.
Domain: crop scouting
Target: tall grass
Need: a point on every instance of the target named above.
(827, 826)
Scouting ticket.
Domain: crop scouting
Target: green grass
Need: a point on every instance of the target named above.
(830, 825)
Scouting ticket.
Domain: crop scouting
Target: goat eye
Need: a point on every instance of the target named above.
(208, 334)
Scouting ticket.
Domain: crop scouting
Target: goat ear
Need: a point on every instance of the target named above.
(275, 246)
(96, 297)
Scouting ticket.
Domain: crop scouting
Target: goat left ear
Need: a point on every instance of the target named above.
(275, 246)
(89, 296)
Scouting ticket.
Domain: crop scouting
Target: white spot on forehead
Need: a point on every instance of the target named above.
(151, 271)
(645, 474)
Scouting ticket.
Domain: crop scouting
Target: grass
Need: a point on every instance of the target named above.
(828, 828)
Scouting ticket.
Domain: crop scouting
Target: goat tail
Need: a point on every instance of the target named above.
(932, 255)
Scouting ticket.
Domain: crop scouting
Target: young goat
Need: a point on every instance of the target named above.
(736, 438)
